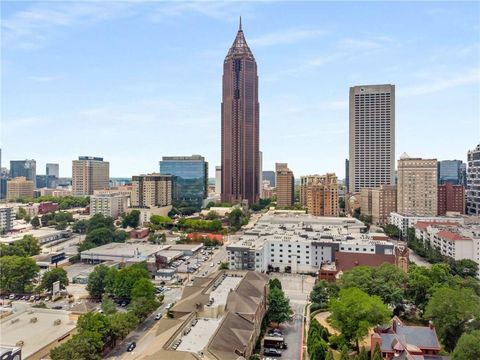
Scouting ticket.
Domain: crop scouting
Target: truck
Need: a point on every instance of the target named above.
(276, 342)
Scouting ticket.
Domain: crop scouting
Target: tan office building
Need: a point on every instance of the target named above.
(378, 203)
(371, 137)
(152, 190)
(19, 187)
(319, 194)
(285, 188)
(112, 205)
(417, 186)
(89, 174)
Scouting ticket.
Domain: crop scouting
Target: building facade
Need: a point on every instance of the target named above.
(473, 182)
(112, 205)
(240, 124)
(269, 176)
(19, 187)
(52, 170)
(371, 137)
(450, 198)
(152, 190)
(378, 203)
(319, 194)
(191, 178)
(452, 171)
(285, 188)
(89, 174)
(6, 219)
(218, 180)
(24, 168)
(417, 186)
(406, 221)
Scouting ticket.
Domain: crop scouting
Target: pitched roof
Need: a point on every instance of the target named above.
(444, 234)
(239, 47)
(423, 225)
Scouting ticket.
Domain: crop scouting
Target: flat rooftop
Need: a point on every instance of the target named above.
(220, 294)
(126, 250)
(34, 334)
(197, 339)
(37, 233)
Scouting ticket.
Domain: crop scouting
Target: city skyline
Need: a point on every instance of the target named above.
(124, 89)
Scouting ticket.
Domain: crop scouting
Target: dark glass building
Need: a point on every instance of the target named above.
(270, 176)
(191, 182)
(240, 124)
(26, 168)
(452, 171)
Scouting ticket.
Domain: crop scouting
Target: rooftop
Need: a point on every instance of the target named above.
(124, 250)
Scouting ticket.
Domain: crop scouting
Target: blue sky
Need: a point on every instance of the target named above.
(134, 81)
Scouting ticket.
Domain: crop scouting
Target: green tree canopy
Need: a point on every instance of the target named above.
(16, 273)
(126, 279)
(80, 226)
(354, 312)
(132, 219)
(468, 346)
(275, 283)
(278, 306)
(51, 276)
(322, 292)
(29, 245)
(108, 306)
(451, 311)
(84, 346)
(97, 281)
(143, 288)
(35, 222)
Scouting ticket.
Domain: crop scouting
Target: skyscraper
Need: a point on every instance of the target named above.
(25, 168)
(452, 171)
(89, 174)
(473, 182)
(417, 186)
(319, 194)
(152, 190)
(285, 188)
(240, 124)
(191, 178)
(52, 169)
(372, 136)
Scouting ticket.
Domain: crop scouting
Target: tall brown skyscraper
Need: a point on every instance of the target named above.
(240, 124)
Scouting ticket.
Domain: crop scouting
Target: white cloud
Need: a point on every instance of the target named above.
(286, 36)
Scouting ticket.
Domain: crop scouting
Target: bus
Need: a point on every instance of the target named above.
(274, 342)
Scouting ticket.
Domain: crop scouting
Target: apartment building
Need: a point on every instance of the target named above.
(152, 190)
(319, 194)
(450, 198)
(19, 187)
(111, 205)
(417, 186)
(89, 174)
(6, 219)
(473, 182)
(285, 187)
(378, 203)
(371, 136)
(406, 221)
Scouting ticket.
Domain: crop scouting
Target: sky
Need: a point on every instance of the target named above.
(134, 81)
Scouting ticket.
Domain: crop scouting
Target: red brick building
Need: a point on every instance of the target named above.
(450, 198)
(46, 207)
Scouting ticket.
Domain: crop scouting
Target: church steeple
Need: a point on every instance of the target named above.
(239, 47)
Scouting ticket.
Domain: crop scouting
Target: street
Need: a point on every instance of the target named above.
(143, 335)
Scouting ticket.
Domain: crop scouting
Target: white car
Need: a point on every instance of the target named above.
(169, 305)
(212, 264)
(158, 316)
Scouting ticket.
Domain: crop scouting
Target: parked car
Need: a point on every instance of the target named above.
(57, 307)
(11, 297)
(158, 316)
(272, 352)
(131, 346)
(169, 305)
(32, 298)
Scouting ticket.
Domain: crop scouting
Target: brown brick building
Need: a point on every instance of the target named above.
(450, 198)
(285, 188)
(319, 194)
(378, 203)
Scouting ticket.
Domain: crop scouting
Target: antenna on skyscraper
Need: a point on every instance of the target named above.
(240, 26)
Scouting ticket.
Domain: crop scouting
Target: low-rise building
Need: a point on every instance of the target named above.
(43, 235)
(378, 203)
(406, 221)
(451, 198)
(6, 218)
(47, 206)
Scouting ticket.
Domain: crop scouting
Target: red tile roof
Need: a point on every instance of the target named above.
(422, 225)
(451, 235)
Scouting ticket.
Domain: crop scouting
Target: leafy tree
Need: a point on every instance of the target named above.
(11, 250)
(16, 273)
(452, 311)
(97, 281)
(329, 355)
(143, 288)
(141, 307)
(354, 312)
(237, 218)
(377, 353)
(80, 226)
(21, 213)
(98, 221)
(392, 230)
(316, 343)
(464, 268)
(212, 215)
(120, 236)
(322, 292)
(275, 283)
(29, 245)
(157, 238)
(160, 221)
(35, 222)
(132, 219)
(344, 353)
(363, 355)
(96, 323)
(126, 279)
(468, 346)
(278, 306)
(57, 274)
(108, 306)
(224, 265)
(122, 323)
(44, 220)
(84, 346)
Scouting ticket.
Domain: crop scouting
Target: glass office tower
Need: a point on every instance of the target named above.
(452, 171)
(191, 183)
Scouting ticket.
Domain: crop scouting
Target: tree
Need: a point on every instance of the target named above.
(321, 294)
(21, 213)
(392, 230)
(132, 219)
(84, 346)
(451, 311)
(100, 236)
(344, 353)
(11, 250)
(143, 288)
(29, 245)
(57, 274)
(96, 323)
(363, 355)
(223, 265)
(108, 306)
(141, 307)
(464, 268)
(212, 215)
(236, 219)
(122, 323)
(275, 283)
(98, 221)
(329, 355)
(126, 279)
(80, 226)
(278, 306)
(16, 273)
(44, 220)
(377, 353)
(120, 236)
(157, 238)
(354, 312)
(468, 346)
(35, 222)
(97, 281)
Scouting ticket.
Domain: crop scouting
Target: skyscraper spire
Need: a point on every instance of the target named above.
(240, 26)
